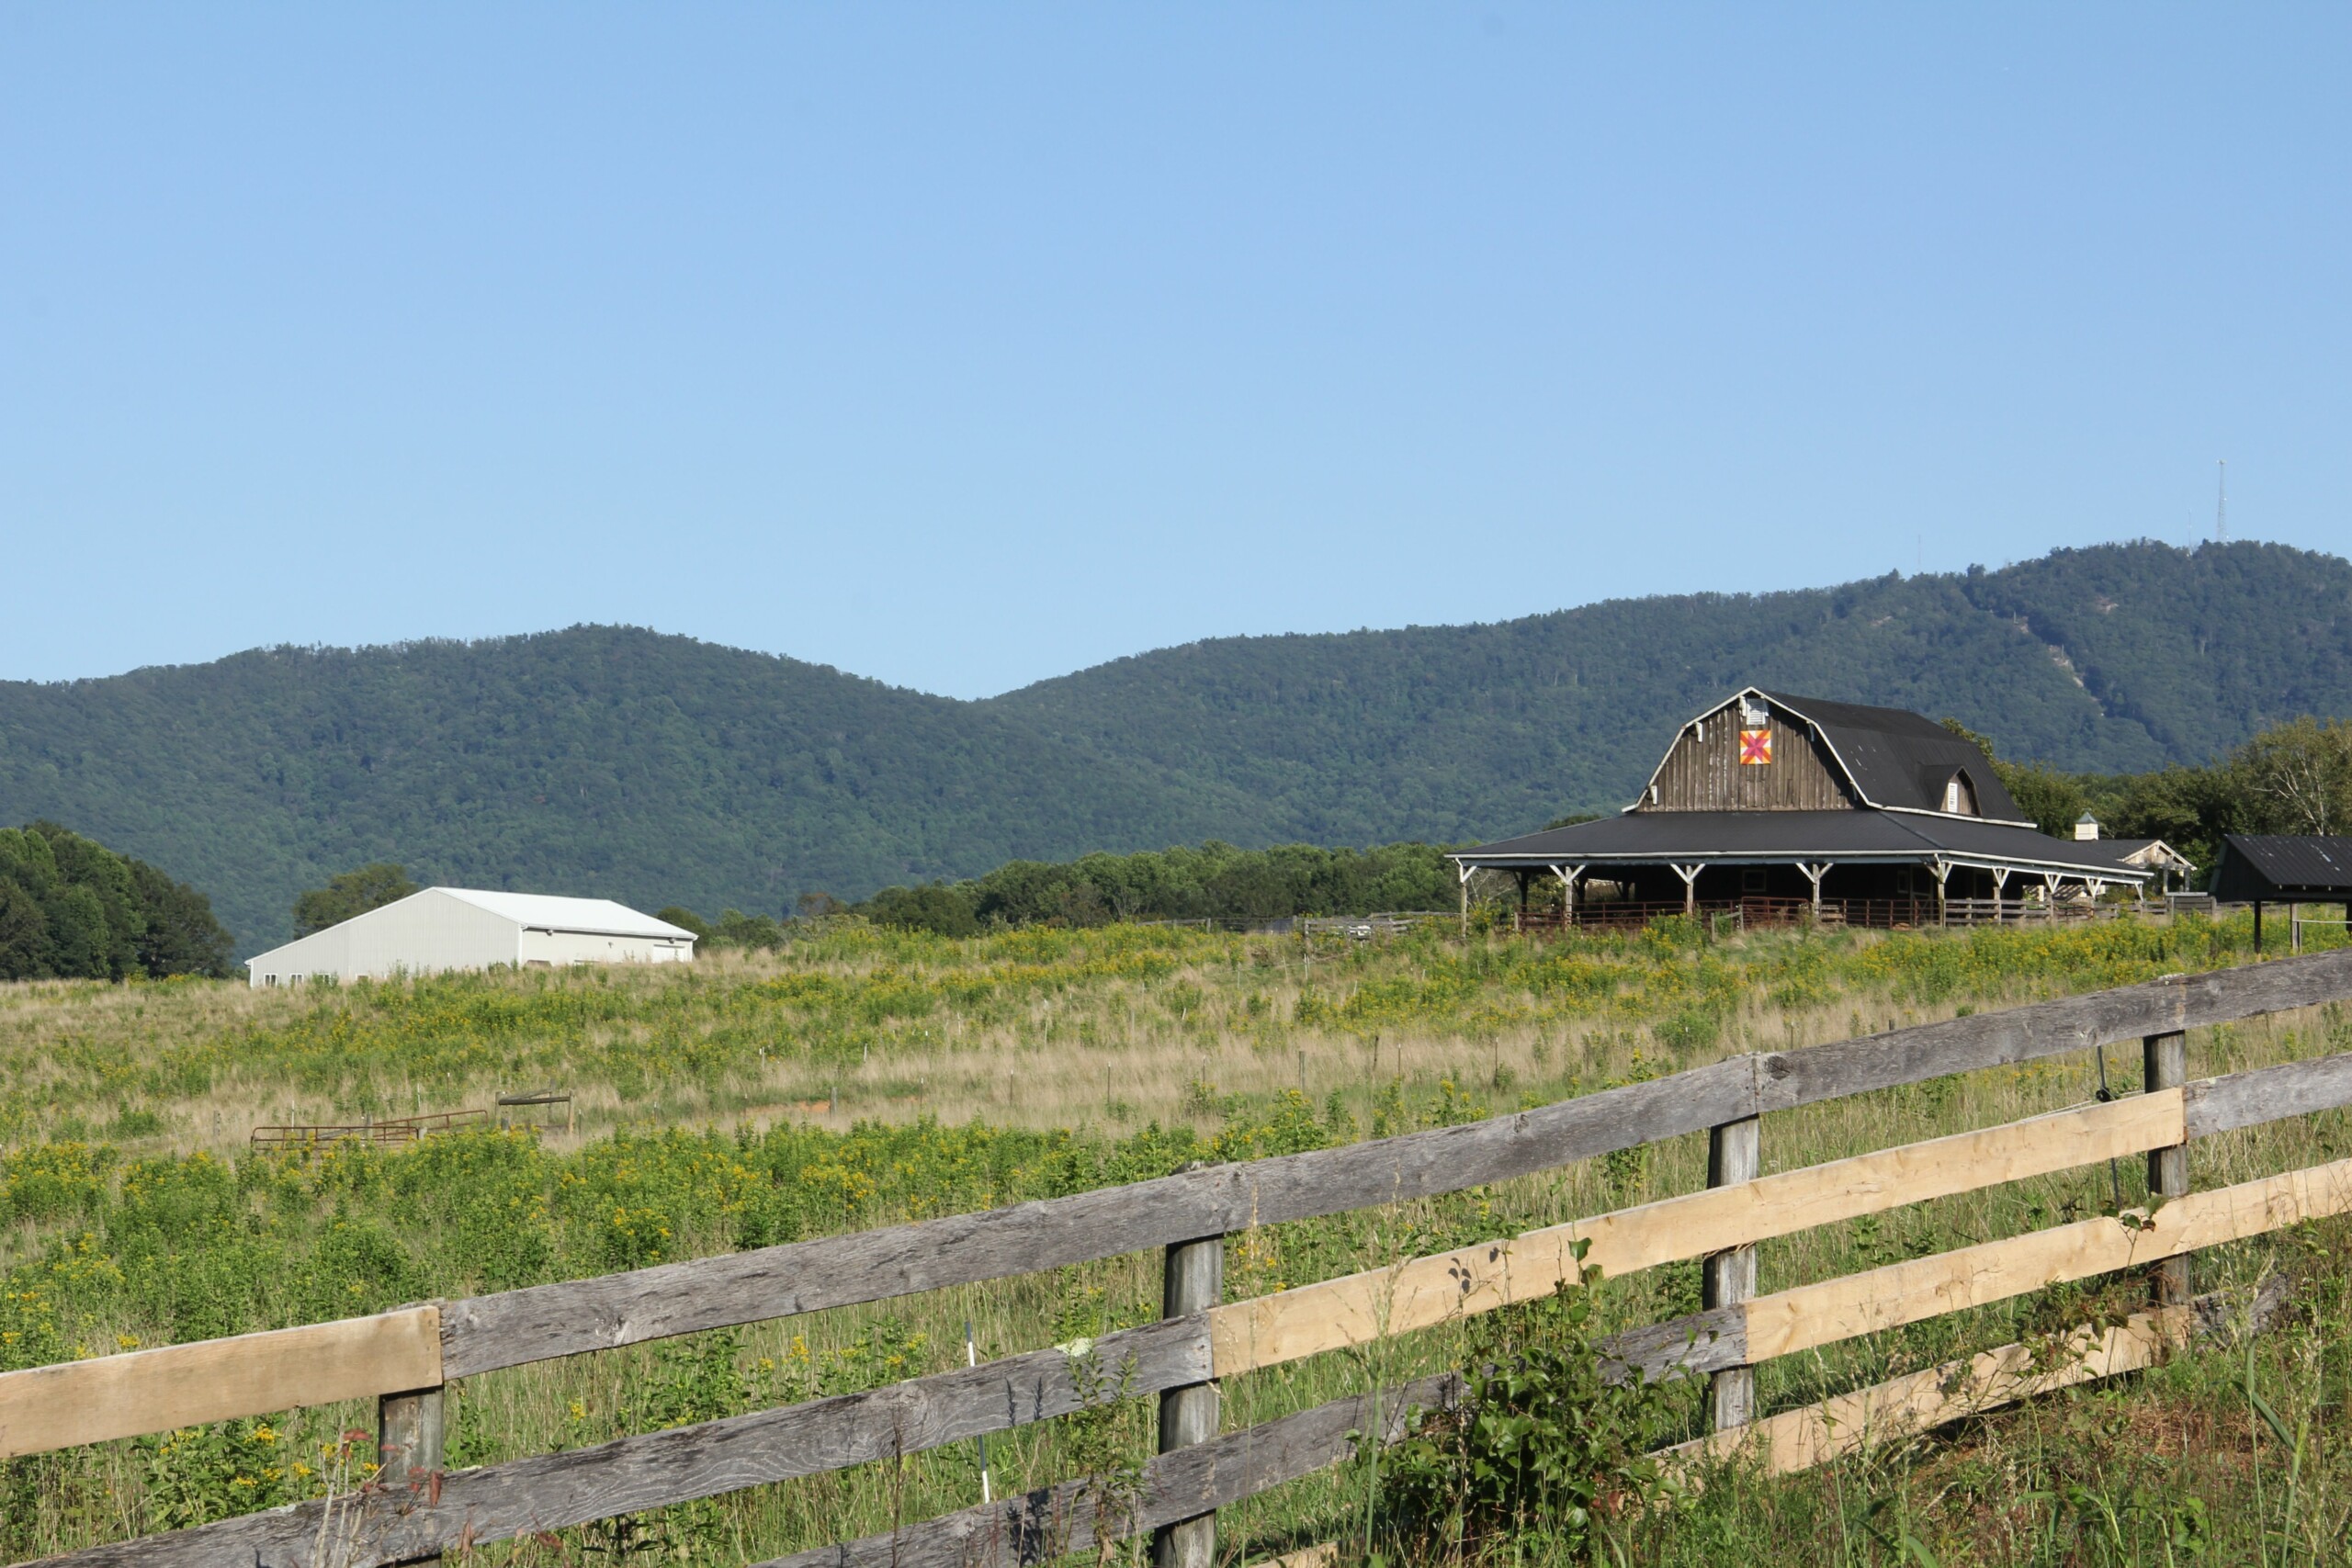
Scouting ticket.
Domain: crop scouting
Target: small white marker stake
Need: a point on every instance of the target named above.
(972, 1358)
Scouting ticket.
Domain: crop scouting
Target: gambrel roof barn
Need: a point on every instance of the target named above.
(1871, 813)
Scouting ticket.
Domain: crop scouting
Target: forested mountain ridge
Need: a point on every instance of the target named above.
(2113, 658)
(659, 769)
(598, 761)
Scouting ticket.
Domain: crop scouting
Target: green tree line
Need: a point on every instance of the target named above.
(2291, 778)
(1211, 881)
(71, 907)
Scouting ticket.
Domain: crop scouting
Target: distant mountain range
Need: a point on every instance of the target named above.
(659, 769)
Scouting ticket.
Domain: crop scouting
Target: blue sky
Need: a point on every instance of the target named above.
(962, 346)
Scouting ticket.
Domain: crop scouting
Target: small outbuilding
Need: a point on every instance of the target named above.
(2283, 868)
(463, 927)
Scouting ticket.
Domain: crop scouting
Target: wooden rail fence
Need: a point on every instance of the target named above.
(405, 1358)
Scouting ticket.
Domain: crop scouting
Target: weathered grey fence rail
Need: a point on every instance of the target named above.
(50, 1406)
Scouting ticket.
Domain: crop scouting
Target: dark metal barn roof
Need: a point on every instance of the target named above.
(1901, 760)
(2283, 868)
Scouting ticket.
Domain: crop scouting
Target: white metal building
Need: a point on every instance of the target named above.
(459, 927)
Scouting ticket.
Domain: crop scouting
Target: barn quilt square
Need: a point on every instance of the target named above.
(1755, 747)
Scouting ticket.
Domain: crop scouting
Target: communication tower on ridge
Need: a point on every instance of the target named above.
(2221, 508)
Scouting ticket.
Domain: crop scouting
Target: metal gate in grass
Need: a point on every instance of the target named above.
(405, 1358)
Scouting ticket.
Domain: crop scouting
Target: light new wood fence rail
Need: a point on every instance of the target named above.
(653, 1470)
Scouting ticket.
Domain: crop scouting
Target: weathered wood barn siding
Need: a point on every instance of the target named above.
(1702, 772)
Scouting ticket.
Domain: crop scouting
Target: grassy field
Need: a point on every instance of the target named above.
(862, 1077)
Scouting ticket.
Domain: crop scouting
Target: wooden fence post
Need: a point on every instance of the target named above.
(1195, 1283)
(1733, 1156)
(2163, 1064)
(409, 1443)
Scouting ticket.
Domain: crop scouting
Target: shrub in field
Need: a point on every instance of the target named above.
(198, 1474)
(44, 1183)
(1540, 1455)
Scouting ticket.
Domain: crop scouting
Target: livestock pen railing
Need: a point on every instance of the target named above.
(1623, 914)
(405, 1358)
(1755, 912)
(405, 1129)
(388, 1129)
(2031, 911)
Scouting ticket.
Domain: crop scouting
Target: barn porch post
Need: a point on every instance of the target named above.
(1814, 872)
(1461, 870)
(1942, 868)
(1690, 876)
(1568, 876)
(1519, 920)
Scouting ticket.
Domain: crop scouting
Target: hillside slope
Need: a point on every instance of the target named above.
(2111, 659)
(656, 768)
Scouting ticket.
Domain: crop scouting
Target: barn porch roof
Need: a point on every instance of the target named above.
(1735, 838)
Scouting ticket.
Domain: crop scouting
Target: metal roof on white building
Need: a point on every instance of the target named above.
(553, 912)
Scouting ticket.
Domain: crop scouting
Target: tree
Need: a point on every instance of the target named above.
(737, 929)
(181, 936)
(685, 919)
(2298, 776)
(69, 906)
(353, 893)
(934, 906)
(24, 935)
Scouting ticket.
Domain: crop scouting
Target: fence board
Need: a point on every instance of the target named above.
(1814, 1315)
(656, 1469)
(2268, 1094)
(1696, 1345)
(2073, 1023)
(1053, 1521)
(1904, 1406)
(217, 1379)
(1359, 1308)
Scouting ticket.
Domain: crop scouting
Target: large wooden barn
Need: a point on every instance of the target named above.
(1790, 808)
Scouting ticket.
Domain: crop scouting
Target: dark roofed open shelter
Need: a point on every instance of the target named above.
(2293, 868)
(1785, 807)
